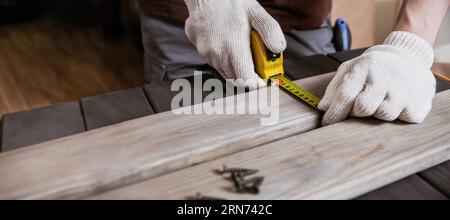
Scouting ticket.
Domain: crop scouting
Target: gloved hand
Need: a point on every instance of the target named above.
(221, 32)
(390, 81)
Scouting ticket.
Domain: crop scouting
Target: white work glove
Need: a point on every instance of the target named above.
(220, 29)
(390, 81)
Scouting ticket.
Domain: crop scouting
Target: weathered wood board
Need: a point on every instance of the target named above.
(111, 157)
(439, 177)
(410, 188)
(112, 108)
(342, 161)
(38, 125)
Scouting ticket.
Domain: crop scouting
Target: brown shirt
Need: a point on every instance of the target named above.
(291, 14)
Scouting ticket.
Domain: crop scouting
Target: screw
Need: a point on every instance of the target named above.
(241, 184)
(254, 182)
(242, 172)
(248, 186)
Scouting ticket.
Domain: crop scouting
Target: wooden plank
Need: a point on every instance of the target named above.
(34, 126)
(160, 94)
(342, 57)
(442, 85)
(411, 188)
(439, 177)
(342, 161)
(112, 108)
(345, 56)
(132, 151)
(304, 67)
(1, 134)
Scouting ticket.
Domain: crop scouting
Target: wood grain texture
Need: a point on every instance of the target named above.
(39, 125)
(160, 95)
(112, 108)
(442, 85)
(410, 188)
(439, 177)
(1, 134)
(126, 153)
(45, 62)
(342, 161)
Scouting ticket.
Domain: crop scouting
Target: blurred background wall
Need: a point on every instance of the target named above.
(442, 46)
(361, 17)
(372, 20)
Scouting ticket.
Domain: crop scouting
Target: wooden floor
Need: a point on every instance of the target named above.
(43, 63)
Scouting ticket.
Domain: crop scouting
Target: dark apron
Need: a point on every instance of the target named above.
(170, 55)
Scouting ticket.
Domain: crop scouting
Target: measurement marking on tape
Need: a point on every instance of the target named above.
(297, 91)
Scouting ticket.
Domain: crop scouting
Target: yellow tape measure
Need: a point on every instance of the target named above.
(297, 91)
(269, 66)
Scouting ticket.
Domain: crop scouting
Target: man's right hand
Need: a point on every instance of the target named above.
(221, 32)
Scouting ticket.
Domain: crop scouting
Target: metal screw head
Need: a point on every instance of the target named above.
(238, 177)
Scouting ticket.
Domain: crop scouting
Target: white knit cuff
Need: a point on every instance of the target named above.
(192, 4)
(414, 44)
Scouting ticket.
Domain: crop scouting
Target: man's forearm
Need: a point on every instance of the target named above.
(422, 18)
